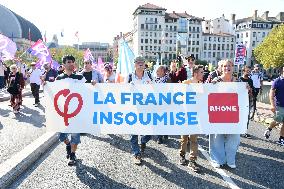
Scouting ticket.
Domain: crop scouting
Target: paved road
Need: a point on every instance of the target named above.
(19, 130)
(106, 162)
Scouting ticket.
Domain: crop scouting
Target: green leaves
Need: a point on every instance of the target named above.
(270, 52)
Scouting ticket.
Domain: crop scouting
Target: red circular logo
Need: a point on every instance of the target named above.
(64, 114)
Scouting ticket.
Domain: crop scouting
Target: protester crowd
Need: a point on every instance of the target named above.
(222, 147)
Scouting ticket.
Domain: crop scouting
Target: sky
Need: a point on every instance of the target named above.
(102, 20)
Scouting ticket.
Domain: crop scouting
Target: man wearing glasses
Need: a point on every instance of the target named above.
(139, 76)
(91, 75)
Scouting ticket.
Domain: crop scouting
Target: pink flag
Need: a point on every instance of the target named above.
(88, 55)
(100, 66)
(8, 48)
(40, 50)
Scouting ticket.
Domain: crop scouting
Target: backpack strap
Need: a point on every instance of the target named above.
(149, 75)
(129, 77)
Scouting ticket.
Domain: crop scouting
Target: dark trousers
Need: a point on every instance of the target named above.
(35, 91)
(255, 93)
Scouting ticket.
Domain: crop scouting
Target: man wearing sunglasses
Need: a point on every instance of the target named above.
(91, 75)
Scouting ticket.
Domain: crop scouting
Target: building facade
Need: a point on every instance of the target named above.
(251, 31)
(98, 50)
(218, 40)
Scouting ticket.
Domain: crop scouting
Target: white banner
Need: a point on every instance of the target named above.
(153, 109)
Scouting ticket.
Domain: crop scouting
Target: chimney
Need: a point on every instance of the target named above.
(120, 34)
(266, 15)
(280, 16)
(255, 15)
(233, 18)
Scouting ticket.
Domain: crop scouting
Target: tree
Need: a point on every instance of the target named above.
(57, 54)
(270, 52)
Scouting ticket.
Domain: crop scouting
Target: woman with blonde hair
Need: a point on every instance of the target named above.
(223, 147)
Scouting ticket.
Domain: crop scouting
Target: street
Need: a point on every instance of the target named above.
(105, 161)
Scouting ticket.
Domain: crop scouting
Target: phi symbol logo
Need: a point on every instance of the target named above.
(223, 108)
(65, 114)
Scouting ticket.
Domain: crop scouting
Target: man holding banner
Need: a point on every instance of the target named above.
(140, 76)
(71, 145)
(197, 72)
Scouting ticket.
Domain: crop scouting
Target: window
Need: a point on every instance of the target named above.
(146, 34)
(214, 54)
(189, 28)
(150, 34)
(227, 55)
(197, 49)
(197, 42)
(242, 35)
(155, 41)
(193, 29)
(219, 47)
(253, 43)
(218, 39)
(205, 38)
(205, 54)
(142, 26)
(141, 48)
(171, 41)
(238, 35)
(254, 34)
(146, 40)
(193, 42)
(209, 38)
(214, 47)
(193, 49)
(142, 34)
(197, 35)
(263, 34)
(197, 28)
(209, 48)
(141, 40)
(151, 41)
(205, 46)
(223, 39)
(209, 54)
(228, 46)
(159, 41)
(223, 47)
(166, 34)
(218, 54)
(232, 47)
(223, 55)
(146, 48)
(247, 34)
(155, 34)
(156, 20)
(175, 28)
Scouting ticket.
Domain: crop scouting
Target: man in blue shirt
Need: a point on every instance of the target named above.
(277, 106)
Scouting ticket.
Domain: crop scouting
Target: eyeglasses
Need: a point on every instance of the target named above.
(87, 63)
